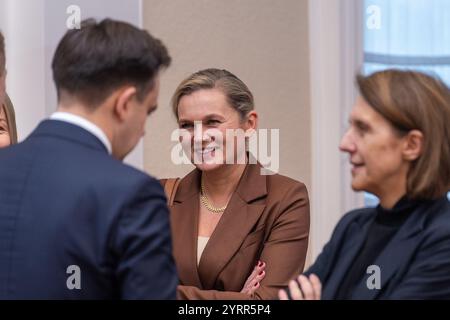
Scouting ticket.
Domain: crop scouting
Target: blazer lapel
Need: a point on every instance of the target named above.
(394, 256)
(236, 223)
(184, 224)
(353, 241)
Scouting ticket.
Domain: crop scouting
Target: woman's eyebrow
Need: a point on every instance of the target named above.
(212, 116)
(358, 122)
(207, 117)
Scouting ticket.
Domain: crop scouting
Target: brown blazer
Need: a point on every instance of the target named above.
(266, 219)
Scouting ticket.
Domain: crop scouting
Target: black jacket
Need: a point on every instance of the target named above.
(415, 264)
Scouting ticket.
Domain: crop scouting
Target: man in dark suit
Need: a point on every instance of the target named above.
(75, 222)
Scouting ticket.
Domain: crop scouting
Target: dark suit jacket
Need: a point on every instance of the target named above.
(414, 265)
(267, 218)
(64, 201)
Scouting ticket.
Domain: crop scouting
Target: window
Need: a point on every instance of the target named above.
(409, 34)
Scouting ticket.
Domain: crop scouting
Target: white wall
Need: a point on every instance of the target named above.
(336, 55)
(264, 42)
(32, 30)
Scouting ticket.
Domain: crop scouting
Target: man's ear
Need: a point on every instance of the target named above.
(122, 105)
(413, 145)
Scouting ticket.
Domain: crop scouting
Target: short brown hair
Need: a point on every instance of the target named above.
(236, 91)
(92, 62)
(2, 54)
(412, 100)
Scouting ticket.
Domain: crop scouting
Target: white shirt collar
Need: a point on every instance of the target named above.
(85, 124)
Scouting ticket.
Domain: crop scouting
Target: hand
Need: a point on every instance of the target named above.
(254, 279)
(303, 289)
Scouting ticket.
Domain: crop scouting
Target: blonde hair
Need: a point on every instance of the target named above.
(412, 100)
(2, 54)
(10, 119)
(236, 92)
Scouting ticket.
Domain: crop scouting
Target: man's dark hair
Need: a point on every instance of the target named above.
(92, 62)
(2, 54)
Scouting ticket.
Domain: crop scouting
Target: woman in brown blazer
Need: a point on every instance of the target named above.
(237, 234)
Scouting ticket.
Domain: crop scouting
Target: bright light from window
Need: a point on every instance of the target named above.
(407, 34)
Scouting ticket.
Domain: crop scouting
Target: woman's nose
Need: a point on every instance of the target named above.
(347, 144)
(198, 132)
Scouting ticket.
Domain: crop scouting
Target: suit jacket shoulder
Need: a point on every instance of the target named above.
(74, 205)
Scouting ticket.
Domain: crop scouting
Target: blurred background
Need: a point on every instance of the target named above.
(299, 58)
